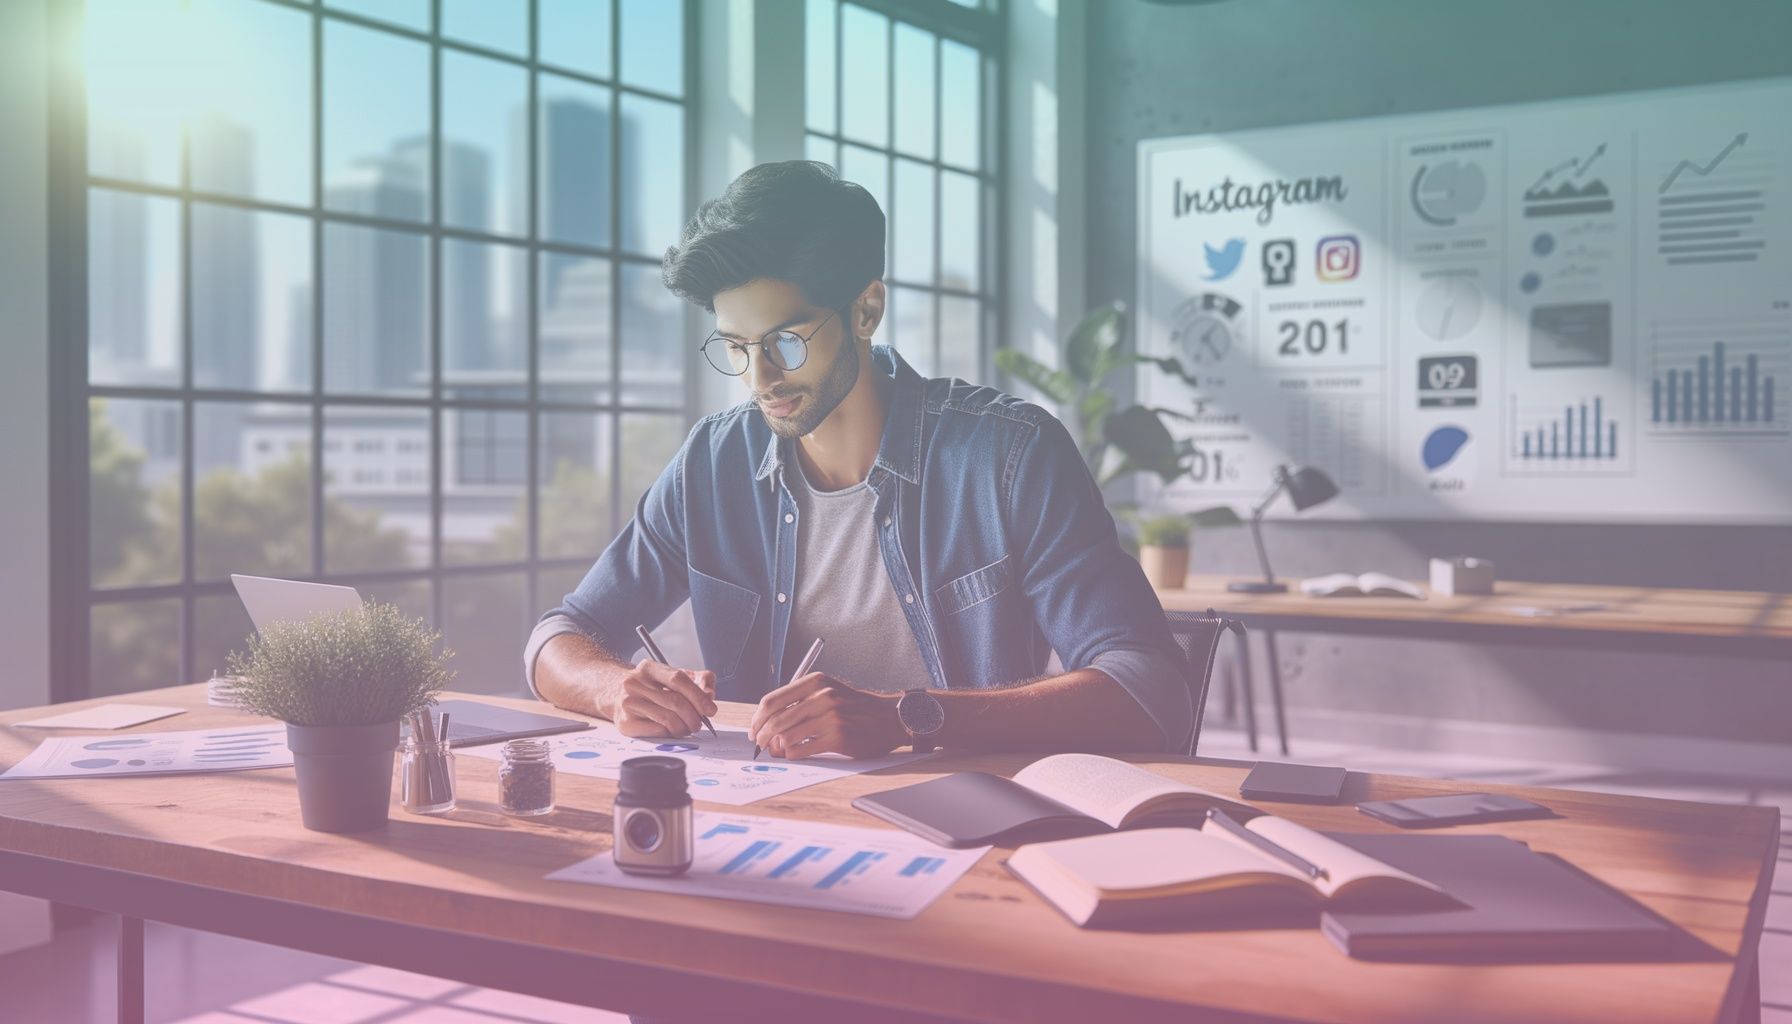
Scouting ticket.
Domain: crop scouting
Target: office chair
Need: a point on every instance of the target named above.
(1199, 638)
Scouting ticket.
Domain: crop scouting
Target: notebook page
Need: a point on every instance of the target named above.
(1342, 864)
(1101, 787)
(1154, 858)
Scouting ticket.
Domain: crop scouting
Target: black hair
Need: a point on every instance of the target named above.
(794, 221)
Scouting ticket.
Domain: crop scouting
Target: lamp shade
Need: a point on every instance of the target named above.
(1308, 487)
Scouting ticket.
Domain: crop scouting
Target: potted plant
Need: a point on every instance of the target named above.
(341, 682)
(1116, 442)
(1163, 550)
(1164, 542)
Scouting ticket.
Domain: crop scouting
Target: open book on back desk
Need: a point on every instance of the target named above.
(1369, 584)
(1172, 872)
(1064, 794)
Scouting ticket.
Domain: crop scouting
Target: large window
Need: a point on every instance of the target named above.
(902, 98)
(371, 295)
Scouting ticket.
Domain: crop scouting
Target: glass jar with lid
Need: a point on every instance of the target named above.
(526, 779)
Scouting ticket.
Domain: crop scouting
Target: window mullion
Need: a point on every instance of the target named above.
(437, 420)
(532, 334)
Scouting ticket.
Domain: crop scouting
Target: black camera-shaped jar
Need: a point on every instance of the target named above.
(652, 817)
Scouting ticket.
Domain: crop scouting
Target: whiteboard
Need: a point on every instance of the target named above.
(1567, 311)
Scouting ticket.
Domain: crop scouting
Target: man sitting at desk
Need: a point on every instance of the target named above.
(941, 537)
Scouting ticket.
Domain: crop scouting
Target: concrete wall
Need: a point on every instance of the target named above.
(1160, 70)
(24, 394)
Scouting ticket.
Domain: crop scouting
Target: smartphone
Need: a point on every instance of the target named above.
(1297, 783)
(1457, 809)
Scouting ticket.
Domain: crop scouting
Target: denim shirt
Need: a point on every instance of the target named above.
(995, 536)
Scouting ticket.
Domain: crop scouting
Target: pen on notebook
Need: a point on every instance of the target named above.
(801, 671)
(1232, 825)
(653, 651)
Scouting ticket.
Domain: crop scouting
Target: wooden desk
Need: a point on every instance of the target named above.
(464, 897)
(1739, 623)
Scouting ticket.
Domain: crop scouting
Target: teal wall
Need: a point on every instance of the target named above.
(1236, 64)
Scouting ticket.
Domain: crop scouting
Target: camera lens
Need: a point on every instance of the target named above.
(643, 831)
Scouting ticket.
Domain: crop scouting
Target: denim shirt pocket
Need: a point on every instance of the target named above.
(725, 613)
(973, 588)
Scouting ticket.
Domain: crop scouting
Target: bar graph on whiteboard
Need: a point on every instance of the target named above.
(1581, 435)
(1720, 380)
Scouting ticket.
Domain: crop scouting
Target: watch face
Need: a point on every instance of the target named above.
(921, 713)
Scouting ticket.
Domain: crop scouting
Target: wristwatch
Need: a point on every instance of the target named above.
(922, 715)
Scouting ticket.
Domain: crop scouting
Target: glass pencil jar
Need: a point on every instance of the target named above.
(526, 779)
(426, 776)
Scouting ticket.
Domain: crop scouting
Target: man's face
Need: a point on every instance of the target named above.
(793, 402)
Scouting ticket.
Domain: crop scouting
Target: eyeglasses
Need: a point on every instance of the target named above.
(785, 350)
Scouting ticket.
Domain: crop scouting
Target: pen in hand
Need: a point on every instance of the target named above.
(801, 671)
(653, 651)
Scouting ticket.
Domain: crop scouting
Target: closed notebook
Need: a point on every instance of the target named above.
(1123, 877)
(1515, 903)
(1065, 794)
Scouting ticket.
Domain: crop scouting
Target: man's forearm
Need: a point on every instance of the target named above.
(574, 672)
(1081, 710)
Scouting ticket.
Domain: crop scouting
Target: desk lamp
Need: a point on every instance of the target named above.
(1306, 487)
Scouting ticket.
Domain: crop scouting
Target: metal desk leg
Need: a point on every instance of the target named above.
(130, 970)
(1247, 684)
(1275, 688)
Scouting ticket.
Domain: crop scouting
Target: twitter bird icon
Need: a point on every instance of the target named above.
(1222, 262)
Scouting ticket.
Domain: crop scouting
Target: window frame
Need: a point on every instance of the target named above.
(74, 595)
(984, 29)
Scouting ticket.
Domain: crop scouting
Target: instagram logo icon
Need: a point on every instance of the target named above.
(1339, 257)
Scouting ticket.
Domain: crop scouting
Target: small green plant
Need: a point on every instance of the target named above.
(1164, 531)
(355, 667)
(1115, 442)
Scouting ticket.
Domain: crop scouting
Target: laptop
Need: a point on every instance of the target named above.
(271, 601)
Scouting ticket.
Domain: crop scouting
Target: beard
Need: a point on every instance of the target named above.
(823, 398)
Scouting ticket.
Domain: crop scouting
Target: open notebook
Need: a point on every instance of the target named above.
(1164, 872)
(1369, 584)
(1064, 794)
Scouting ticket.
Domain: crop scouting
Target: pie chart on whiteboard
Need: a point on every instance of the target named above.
(1448, 190)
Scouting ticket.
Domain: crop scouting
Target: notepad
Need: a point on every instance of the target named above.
(106, 716)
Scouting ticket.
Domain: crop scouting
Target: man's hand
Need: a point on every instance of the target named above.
(819, 713)
(653, 699)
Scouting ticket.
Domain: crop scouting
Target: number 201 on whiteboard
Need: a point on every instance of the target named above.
(1316, 341)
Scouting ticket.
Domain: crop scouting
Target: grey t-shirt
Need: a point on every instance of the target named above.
(843, 593)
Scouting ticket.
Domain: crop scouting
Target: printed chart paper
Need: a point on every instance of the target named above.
(720, 769)
(156, 753)
(874, 871)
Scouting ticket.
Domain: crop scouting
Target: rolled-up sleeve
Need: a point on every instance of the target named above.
(1089, 597)
(547, 629)
(640, 579)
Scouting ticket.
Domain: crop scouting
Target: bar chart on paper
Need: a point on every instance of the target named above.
(1721, 380)
(880, 872)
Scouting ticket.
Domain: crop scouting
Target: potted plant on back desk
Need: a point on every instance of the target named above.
(341, 682)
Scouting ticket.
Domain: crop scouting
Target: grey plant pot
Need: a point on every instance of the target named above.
(345, 774)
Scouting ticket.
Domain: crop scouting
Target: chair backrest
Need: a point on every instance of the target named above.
(1199, 638)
